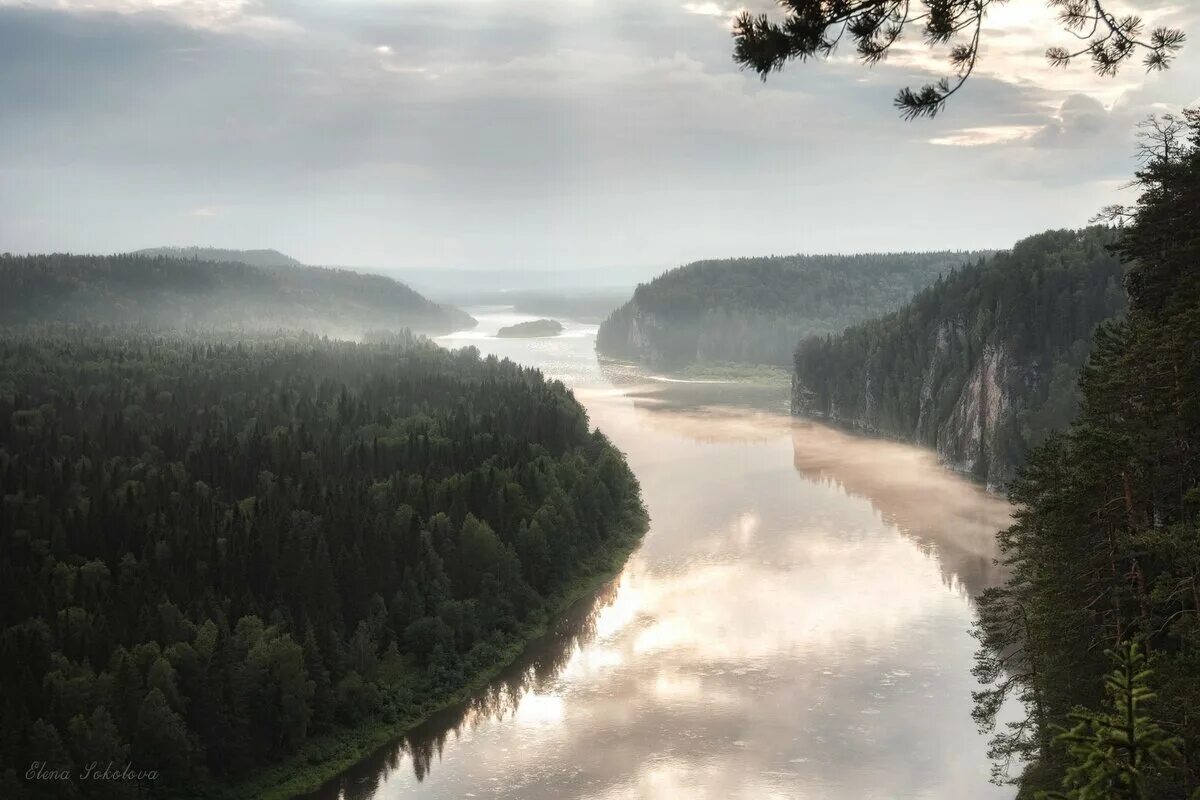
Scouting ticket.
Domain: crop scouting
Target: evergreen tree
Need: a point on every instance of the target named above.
(1105, 546)
(812, 28)
(1112, 752)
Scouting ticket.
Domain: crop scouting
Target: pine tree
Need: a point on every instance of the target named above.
(1112, 752)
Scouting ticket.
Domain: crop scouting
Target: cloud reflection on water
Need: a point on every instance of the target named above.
(794, 624)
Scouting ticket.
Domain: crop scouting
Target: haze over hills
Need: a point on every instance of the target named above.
(255, 258)
(755, 310)
(174, 292)
(582, 295)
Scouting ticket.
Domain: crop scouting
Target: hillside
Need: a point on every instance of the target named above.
(255, 258)
(266, 545)
(983, 364)
(755, 310)
(170, 292)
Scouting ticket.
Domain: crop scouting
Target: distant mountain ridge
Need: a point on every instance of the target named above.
(982, 365)
(255, 258)
(755, 310)
(173, 292)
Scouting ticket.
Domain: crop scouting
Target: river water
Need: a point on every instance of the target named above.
(795, 624)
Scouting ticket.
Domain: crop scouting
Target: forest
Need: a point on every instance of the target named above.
(531, 329)
(1095, 637)
(218, 550)
(255, 258)
(755, 310)
(178, 292)
(983, 364)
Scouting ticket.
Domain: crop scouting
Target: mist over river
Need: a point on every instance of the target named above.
(794, 625)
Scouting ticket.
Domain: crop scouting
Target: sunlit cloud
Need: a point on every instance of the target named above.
(708, 9)
(982, 137)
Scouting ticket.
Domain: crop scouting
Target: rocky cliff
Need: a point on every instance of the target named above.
(982, 365)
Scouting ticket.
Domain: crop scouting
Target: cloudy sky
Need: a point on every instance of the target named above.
(533, 133)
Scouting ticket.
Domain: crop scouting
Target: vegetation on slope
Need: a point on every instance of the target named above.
(755, 310)
(255, 258)
(531, 329)
(1105, 553)
(983, 364)
(213, 550)
(168, 292)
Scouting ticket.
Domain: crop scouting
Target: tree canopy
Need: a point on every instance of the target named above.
(754, 310)
(213, 549)
(181, 290)
(1106, 547)
(981, 365)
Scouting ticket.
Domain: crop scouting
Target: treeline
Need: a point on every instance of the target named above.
(255, 258)
(179, 292)
(213, 549)
(1105, 553)
(983, 364)
(755, 310)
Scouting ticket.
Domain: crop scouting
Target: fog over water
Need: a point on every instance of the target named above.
(795, 624)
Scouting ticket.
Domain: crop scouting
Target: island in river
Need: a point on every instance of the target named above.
(531, 330)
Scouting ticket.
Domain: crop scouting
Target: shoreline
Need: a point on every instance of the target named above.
(325, 757)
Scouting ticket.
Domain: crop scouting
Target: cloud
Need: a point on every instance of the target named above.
(522, 131)
(228, 15)
(1079, 118)
(196, 8)
(707, 9)
(982, 137)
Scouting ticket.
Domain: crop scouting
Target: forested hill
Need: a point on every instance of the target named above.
(755, 310)
(170, 292)
(255, 258)
(213, 550)
(983, 364)
(1097, 629)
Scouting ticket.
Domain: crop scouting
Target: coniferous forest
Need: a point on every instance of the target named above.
(983, 364)
(925, 494)
(216, 550)
(178, 291)
(1096, 635)
(754, 310)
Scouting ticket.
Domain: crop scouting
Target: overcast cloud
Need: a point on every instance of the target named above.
(532, 133)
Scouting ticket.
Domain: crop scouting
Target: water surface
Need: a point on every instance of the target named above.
(795, 624)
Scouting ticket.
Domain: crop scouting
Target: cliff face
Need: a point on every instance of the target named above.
(965, 421)
(638, 339)
(981, 366)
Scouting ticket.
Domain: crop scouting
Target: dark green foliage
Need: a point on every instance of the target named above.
(211, 549)
(174, 293)
(255, 258)
(754, 310)
(1106, 545)
(983, 364)
(533, 328)
(1112, 753)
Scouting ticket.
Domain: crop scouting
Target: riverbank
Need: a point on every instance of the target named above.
(324, 757)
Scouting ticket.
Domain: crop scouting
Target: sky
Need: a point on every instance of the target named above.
(537, 134)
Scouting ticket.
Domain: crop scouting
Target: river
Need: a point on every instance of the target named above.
(794, 625)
